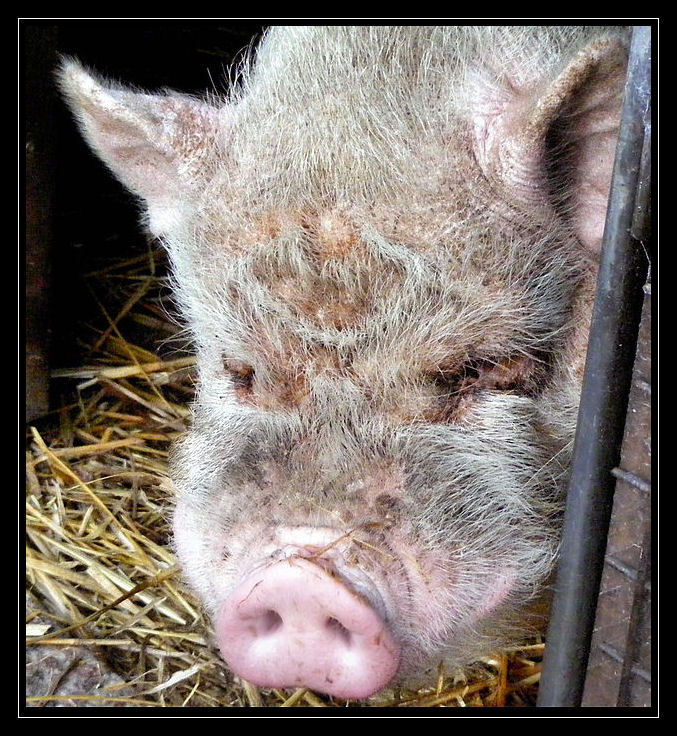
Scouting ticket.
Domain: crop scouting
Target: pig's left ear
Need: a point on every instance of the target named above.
(157, 145)
(557, 140)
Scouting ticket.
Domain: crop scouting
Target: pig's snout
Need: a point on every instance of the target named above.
(295, 624)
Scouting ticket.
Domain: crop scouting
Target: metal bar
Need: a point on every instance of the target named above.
(604, 396)
(632, 479)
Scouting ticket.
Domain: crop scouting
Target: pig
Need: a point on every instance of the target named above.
(384, 242)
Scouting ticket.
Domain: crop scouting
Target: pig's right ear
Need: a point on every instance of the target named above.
(157, 145)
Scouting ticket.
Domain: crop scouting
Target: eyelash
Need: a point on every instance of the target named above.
(454, 385)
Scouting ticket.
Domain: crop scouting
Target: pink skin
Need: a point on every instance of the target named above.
(311, 610)
(296, 624)
(328, 609)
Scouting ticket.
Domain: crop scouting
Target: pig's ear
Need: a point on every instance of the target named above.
(557, 141)
(157, 145)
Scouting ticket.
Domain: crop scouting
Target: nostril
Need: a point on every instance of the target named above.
(271, 621)
(339, 630)
(294, 624)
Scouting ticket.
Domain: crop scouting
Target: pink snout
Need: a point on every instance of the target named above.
(294, 624)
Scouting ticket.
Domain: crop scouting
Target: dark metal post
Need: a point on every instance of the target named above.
(606, 384)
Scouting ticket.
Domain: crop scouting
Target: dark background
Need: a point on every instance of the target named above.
(77, 214)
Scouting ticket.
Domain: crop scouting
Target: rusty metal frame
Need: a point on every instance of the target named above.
(604, 398)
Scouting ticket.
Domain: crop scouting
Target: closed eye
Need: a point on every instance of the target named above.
(241, 375)
(459, 382)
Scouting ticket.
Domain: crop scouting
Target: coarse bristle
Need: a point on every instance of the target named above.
(108, 619)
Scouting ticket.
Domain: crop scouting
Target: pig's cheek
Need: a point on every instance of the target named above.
(184, 541)
(442, 599)
(497, 592)
(189, 547)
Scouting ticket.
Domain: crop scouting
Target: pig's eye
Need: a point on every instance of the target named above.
(241, 374)
(506, 374)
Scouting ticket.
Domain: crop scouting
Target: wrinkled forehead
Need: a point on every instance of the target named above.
(320, 271)
(335, 278)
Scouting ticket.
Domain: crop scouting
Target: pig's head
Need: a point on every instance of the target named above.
(384, 243)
